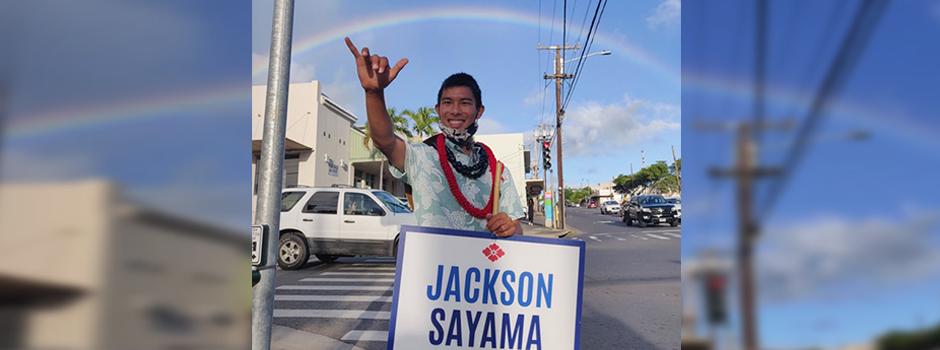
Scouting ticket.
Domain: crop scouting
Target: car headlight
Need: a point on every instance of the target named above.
(645, 210)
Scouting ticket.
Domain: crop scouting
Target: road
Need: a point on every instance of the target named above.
(631, 290)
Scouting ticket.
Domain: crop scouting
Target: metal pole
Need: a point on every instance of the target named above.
(272, 159)
(559, 75)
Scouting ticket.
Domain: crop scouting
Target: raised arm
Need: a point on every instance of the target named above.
(374, 75)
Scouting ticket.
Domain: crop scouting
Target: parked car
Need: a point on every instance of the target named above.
(338, 221)
(610, 207)
(650, 210)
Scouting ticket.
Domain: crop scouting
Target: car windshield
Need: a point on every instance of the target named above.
(673, 200)
(653, 200)
(610, 203)
(391, 202)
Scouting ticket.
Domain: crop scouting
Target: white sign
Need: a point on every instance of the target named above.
(468, 290)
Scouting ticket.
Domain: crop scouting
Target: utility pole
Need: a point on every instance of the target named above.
(746, 171)
(559, 77)
(269, 181)
(678, 170)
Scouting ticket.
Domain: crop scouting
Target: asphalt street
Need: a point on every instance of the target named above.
(631, 290)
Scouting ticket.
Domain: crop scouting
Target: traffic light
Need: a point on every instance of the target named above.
(715, 286)
(546, 155)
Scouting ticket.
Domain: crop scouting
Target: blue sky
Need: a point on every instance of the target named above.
(850, 249)
(624, 103)
(143, 94)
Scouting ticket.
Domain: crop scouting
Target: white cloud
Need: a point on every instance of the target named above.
(299, 72)
(827, 253)
(534, 98)
(666, 15)
(595, 128)
(345, 90)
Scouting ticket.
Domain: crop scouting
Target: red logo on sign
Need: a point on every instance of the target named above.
(493, 252)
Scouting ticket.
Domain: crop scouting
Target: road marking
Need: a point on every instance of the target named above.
(370, 264)
(317, 313)
(366, 336)
(657, 237)
(360, 273)
(367, 269)
(673, 231)
(595, 238)
(346, 298)
(640, 237)
(672, 234)
(378, 288)
(348, 280)
(605, 222)
(620, 239)
(389, 260)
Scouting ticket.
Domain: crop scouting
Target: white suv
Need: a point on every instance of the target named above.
(330, 222)
(610, 207)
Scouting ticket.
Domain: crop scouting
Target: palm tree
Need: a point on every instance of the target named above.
(425, 120)
(399, 124)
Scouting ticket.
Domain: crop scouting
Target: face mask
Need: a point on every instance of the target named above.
(462, 138)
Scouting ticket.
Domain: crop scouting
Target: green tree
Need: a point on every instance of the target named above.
(425, 121)
(577, 195)
(399, 124)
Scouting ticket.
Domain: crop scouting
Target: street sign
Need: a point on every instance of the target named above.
(258, 235)
(469, 290)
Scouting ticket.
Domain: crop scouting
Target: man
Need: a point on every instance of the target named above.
(451, 175)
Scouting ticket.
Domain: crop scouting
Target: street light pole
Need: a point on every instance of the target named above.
(269, 181)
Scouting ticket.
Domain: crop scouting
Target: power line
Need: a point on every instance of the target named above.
(866, 18)
(588, 42)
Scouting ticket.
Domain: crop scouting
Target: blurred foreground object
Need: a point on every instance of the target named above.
(82, 268)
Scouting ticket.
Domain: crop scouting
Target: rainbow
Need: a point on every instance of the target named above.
(141, 108)
(335, 35)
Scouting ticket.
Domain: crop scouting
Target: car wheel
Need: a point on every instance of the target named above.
(641, 222)
(292, 252)
(674, 223)
(326, 258)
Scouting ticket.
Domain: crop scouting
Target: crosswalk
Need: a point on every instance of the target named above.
(356, 296)
(659, 235)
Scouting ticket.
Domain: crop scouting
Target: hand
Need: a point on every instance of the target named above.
(374, 72)
(501, 225)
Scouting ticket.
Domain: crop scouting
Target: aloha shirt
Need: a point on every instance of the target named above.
(436, 206)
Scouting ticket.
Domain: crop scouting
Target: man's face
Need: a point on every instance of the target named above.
(458, 108)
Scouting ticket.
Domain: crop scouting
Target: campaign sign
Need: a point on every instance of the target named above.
(469, 290)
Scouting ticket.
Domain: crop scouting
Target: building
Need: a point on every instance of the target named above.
(317, 137)
(604, 192)
(85, 269)
(510, 149)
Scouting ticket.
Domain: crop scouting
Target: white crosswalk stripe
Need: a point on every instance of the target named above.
(366, 269)
(348, 280)
(320, 313)
(359, 273)
(657, 236)
(672, 234)
(595, 238)
(372, 288)
(620, 239)
(340, 298)
(365, 336)
(640, 237)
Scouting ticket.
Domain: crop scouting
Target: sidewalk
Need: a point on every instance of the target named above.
(286, 338)
(538, 229)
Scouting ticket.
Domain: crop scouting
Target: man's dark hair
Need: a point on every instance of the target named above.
(461, 79)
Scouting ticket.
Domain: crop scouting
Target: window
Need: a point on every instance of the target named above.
(322, 203)
(360, 204)
(289, 199)
(391, 202)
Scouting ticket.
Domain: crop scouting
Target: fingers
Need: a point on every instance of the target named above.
(383, 64)
(397, 68)
(352, 48)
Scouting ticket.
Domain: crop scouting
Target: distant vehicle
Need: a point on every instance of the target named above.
(677, 205)
(331, 222)
(592, 205)
(650, 210)
(610, 207)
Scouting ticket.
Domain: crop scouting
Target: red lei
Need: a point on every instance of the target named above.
(452, 180)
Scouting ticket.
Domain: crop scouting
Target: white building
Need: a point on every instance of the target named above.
(316, 147)
(605, 191)
(83, 268)
(509, 149)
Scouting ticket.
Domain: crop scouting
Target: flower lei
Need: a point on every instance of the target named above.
(455, 189)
